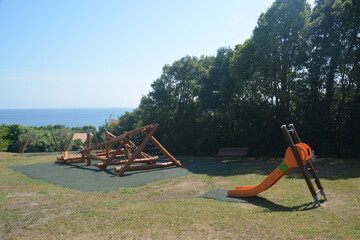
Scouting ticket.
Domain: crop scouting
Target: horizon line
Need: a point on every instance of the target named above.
(64, 107)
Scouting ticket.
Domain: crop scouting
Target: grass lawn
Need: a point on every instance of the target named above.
(170, 209)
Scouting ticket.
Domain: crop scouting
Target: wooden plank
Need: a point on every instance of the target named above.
(138, 160)
(74, 161)
(95, 157)
(145, 167)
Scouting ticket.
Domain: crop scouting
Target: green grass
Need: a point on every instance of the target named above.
(170, 209)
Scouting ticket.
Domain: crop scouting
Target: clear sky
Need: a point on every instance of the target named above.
(84, 53)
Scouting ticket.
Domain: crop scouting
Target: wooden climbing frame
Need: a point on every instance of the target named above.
(135, 146)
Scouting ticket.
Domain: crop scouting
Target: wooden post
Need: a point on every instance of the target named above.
(56, 143)
(107, 147)
(26, 143)
(96, 139)
(88, 145)
(69, 143)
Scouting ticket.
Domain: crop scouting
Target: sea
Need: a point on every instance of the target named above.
(70, 117)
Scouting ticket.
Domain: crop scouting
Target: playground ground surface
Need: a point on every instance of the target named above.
(170, 208)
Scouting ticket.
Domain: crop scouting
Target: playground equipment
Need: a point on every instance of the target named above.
(31, 133)
(298, 154)
(69, 159)
(136, 146)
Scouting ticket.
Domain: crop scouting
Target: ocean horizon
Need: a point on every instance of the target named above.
(70, 117)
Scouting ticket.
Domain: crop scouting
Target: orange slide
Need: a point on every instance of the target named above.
(288, 163)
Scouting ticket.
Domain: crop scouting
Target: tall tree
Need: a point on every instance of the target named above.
(280, 43)
(173, 102)
(333, 67)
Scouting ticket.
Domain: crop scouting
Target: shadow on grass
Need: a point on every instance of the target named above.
(110, 169)
(274, 207)
(189, 165)
(327, 168)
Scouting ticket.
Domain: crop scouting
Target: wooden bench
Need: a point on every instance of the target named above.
(232, 152)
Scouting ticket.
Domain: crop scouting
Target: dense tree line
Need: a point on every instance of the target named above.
(40, 139)
(300, 66)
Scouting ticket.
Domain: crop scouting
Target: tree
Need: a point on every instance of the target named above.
(173, 102)
(4, 141)
(279, 46)
(333, 67)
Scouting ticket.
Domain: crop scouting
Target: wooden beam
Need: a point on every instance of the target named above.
(120, 151)
(96, 139)
(139, 149)
(66, 159)
(145, 167)
(56, 143)
(88, 155)
(165, 152)
(117, 151)
(120, 138)
(138, 160)
(88, 145)
(107, 148)
(109, 134)
(74, 161)
(26, 143)
(69, 143)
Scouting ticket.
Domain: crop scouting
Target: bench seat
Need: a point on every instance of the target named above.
(232, 152)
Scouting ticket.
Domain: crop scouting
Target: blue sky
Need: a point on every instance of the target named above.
(84, 53)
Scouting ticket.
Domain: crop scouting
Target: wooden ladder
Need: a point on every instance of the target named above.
(308, 171)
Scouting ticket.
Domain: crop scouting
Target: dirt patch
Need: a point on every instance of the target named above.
(30, 209)
(50, 214)
(23, 204)
(24, 194)
(175, 189)
(31, 216)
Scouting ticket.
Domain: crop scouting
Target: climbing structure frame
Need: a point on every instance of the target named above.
(136, 150)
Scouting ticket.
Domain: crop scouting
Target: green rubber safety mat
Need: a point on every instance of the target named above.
(89, 179)
(221, 195)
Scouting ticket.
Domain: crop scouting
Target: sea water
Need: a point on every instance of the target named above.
(70, 117)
